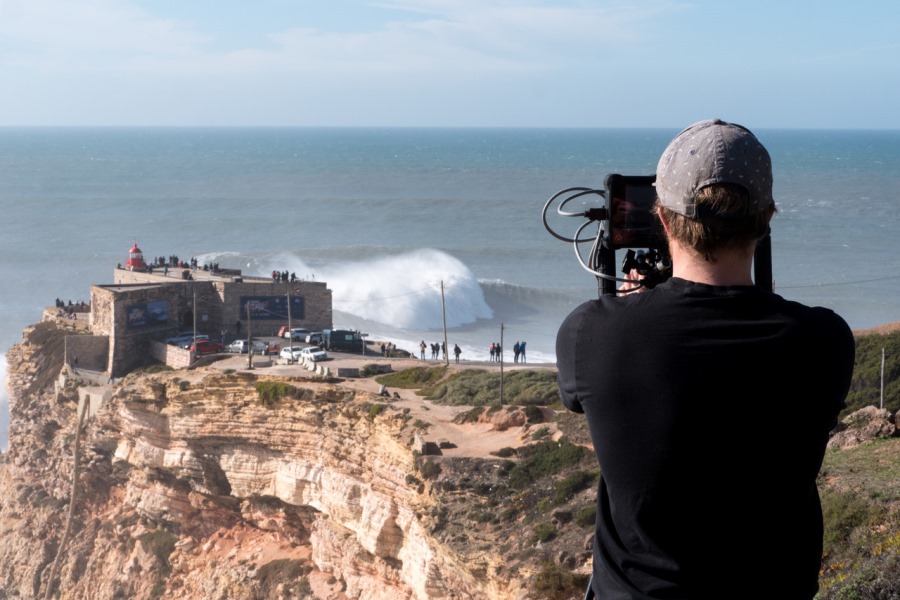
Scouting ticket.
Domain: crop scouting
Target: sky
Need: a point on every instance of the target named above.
(450, 63)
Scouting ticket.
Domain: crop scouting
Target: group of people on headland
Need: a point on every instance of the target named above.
(438, 349)
(496, 352)
(283, 277)
(174, 262)
(69, 310)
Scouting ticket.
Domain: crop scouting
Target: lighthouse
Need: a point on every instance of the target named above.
(135, 260)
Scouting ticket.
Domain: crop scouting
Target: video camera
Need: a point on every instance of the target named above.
(627, 221)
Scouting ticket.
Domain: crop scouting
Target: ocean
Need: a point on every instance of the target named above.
(393, 217)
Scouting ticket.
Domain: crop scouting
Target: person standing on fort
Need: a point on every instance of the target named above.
(422, 350)
(457, 351)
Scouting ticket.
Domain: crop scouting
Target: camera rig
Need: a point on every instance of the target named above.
(626, 220)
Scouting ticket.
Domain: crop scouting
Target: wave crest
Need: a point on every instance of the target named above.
(400, 290)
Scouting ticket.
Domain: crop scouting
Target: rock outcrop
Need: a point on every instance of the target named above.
(193, 484)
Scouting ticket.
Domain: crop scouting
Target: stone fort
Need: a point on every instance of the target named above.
(145, 304)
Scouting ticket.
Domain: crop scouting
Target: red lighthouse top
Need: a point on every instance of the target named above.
(135, 260)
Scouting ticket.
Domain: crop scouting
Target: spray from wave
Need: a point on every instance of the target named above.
(398, 290)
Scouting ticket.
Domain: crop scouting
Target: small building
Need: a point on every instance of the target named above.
(142, 307)
(135, 261)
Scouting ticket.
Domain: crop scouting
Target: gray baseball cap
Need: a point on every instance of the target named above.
(710, 152)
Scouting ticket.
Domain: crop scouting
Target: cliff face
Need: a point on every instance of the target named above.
(191, 487)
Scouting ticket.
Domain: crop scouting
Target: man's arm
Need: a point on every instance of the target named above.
(565, 363)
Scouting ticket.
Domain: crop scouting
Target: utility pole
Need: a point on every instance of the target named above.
(249, 337)
(289, 317)
(444, 318)
(501, 363)
(194, 341)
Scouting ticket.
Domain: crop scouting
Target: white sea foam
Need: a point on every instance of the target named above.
(399, 290)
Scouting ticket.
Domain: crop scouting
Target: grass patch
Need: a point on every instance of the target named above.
(475, 387)
(544, 459)
(270, 392)
(415, 378)
(872, 468)
(373, 410)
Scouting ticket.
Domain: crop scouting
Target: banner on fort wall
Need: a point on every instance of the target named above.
(272, 307)
(147, 314)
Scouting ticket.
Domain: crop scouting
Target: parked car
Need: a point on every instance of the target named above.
(314, 338)
(238, 346)
(291, 353)
(298, 334)
(314, 354)
(180, 338)
(263, 347)
(206, 347)
(190, 341)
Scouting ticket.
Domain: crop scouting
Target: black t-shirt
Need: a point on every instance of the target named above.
(709, 408)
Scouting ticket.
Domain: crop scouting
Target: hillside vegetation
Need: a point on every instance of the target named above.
(548, 488)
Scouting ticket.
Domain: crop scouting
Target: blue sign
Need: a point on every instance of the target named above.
(146, 315)
(272, 307)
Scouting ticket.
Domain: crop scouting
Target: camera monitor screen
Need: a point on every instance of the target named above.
(630, 201)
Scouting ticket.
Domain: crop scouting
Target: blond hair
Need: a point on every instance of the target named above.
(722, 222)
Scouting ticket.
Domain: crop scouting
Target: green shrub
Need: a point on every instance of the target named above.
(587, 516)
(865, 387)
(429, 468)
(571, 485)
(543, 532)
(505, 452)
(281, 574)
(160, 543)
(373, 410)
(533, 414)
(270, 392)
(844, 513)
(543, 459)
(555, 583)
(541, 433)
(368, 370)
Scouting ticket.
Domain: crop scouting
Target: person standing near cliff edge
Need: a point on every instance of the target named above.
(700, 496)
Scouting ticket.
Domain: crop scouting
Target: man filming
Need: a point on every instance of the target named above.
(709, 400)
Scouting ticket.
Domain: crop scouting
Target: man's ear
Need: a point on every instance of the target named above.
(662, 220)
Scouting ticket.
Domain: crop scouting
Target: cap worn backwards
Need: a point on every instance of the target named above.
(711, 152)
